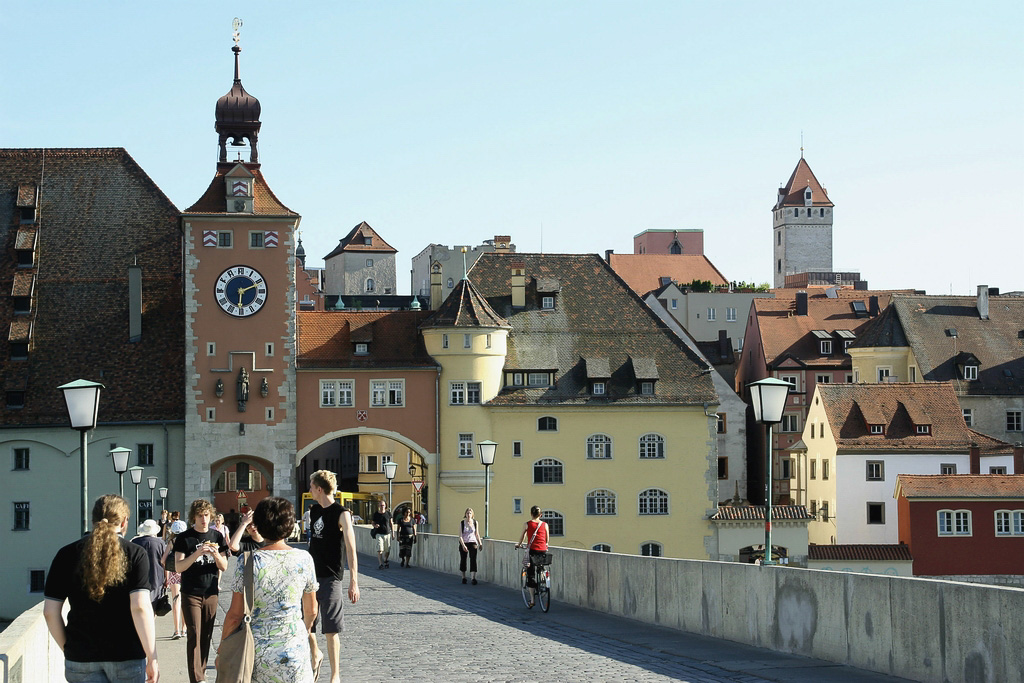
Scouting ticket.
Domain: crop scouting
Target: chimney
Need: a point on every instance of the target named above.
(873, 306)
(518, 283)
(723, 344)
(975, 459)
(502, 244)
(435, 286)
(1018, 458)
(801, 303)
(134, 303)
(860, 285)
(608, 255)
(983, 302)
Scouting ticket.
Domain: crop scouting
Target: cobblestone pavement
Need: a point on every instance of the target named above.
(422, 625)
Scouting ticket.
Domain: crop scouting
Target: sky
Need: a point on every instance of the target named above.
(571, 126)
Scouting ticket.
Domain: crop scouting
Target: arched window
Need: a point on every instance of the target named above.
(601, 502)
(653, 502)
(651, 549)
(652, 446)
(599, 446)
(547, 424)
(556, 522)
(547, 471)
(451, 283)
(369, 284)
(602, 548)
(676, 248)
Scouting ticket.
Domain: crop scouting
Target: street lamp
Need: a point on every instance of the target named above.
(83, 401)
(120, 456)
(136, 474)
(389, 471)
(163, 497)
(487, 449)
(152, 488)
(768, 397)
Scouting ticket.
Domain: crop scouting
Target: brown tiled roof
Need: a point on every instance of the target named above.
(596, 315)
(355, 240)
(98, 213)
(26, 238)
(925, 322)
(264, 201)
(787, 335)
(643, 272)
(792, 193)
(24, 283)
(27, 195)
(327, 339)
(21, 330)
(861, 552)
(464, 307)
(756, 512)
(1009, 486)
(851, 408)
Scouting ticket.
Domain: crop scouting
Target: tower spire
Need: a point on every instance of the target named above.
(238, 112)
(236, 24)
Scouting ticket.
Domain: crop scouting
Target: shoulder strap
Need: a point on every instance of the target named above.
(535, 532)
(248, 581)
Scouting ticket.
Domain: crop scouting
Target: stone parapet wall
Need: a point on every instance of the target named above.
(1015, 580)
(920, 629)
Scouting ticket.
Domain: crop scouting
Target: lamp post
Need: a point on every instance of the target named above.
(83, 401)
(390, 468)
(768, 397)
(487, 449)
(120, 456)
(163, 497)
(136, 475)
(152, 489)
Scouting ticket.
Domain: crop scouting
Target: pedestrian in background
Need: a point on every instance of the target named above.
(383, 531)
(469, 543)
(155, 548)
(406, 535)
(200, 554)
(174, 578)
(110, 634)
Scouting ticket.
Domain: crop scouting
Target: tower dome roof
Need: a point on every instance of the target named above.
(237, 106)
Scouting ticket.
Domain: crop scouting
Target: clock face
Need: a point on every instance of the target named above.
(241, 291)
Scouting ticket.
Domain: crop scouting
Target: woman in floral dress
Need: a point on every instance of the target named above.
(284, 599)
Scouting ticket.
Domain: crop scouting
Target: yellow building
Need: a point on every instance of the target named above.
(602, 416)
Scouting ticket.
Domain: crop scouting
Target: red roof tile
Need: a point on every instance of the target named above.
(327, 339)
(356, 238)
(792, 193)
(643, 272)
(264, 201)
(756, 512)
(1009, 486)
(861, 552)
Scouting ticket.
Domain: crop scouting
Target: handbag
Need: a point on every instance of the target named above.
(238, 650)
(162, 605)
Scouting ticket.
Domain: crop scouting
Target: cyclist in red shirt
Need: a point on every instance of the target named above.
(537, 532)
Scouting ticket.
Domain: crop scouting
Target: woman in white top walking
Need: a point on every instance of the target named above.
(469, 543)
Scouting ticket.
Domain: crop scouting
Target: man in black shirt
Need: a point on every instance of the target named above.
(383, 530)
(331, 543)
(200, 554)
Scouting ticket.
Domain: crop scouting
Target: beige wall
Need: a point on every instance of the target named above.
(898, 359)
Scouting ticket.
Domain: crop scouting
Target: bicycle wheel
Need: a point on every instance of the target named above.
(526, 589)
(544, 590)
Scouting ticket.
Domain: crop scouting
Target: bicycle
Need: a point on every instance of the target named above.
(542, 591)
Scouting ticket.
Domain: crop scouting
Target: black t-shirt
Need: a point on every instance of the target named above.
(247, 545)
(98, 631)
(201, 577)
(382, 522)
(406, 529)
(326, 542)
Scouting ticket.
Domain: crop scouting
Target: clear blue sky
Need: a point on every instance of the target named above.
(571, 126)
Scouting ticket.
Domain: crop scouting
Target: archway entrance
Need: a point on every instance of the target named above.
(251, 476)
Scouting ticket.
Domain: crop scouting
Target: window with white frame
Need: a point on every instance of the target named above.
(387, 393)
(362, 349)
(675, 304)
(647, 388)
(730, 314)
(21, 458)
(954, 522)
(826, 347)
(790, 423)
(1003, 526)
(465, 445)
(1013, 420)
(651, 549)
(877, 429)
(547, 471)
(547, 302)
(970, 372)
(22, 515)
(555, 522)
(825, 462)
(711, 314)
(652, 446)
(457, 393)
(599, 388)
(538, 379)
(882, 373)
(875, 470)
(969, 416)
(467, 341)
(793, 380)
(600, 502)
(370, 285)
(653, 502)
(517, 506)
(599, 447)
(1018, 522)
(369, 263)
(947, 468)
(814, 468)
(998, 469)
(823, 378)
(923, 429)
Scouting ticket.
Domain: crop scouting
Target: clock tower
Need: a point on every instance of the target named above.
(240, 320)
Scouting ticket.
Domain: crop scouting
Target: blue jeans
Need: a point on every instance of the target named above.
(131, 671)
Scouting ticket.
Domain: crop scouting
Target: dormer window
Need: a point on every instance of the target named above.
(362, 349)
(967, 363)
(970, 372)
(369, 284)
(547, 302)
(877, 429)
(597, 388)
(923, 429)
(826, 347)
(368, 240)
(647, 388)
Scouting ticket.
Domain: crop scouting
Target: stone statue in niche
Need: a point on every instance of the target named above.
(243, 389)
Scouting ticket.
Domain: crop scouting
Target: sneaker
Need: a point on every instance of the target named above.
(387, 565)
(463, 579)
(176, 636)
(474, 582)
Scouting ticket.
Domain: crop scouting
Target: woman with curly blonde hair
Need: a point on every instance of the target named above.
(109, 634)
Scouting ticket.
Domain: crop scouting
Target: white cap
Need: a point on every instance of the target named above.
(177, 526)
